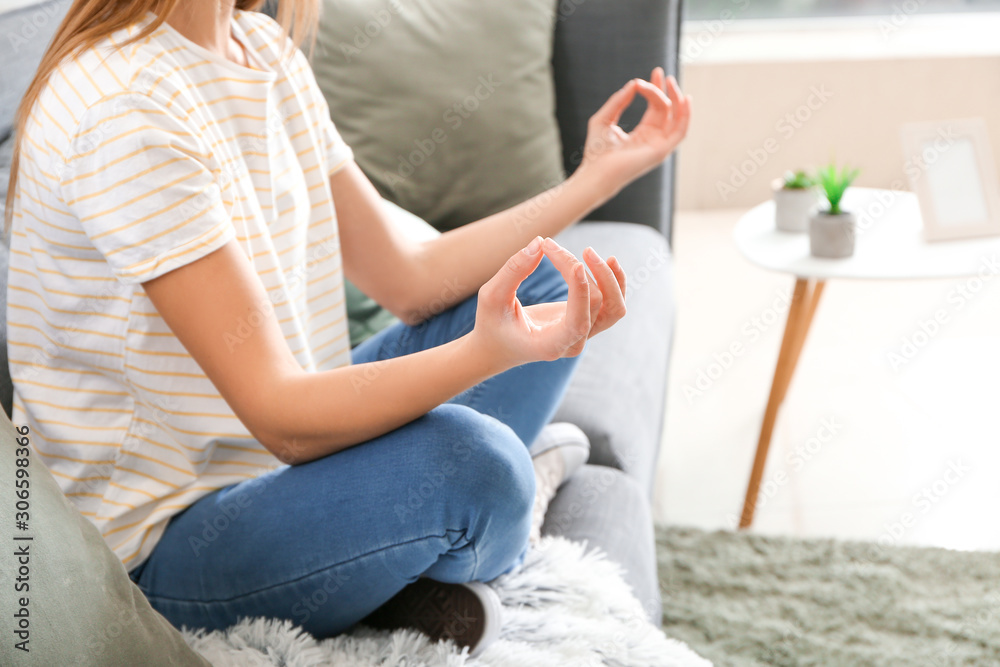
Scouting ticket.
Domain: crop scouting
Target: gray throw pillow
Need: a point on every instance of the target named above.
(67, 598)
(449, 105)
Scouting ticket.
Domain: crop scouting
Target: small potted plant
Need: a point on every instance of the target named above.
(795, 195)
(832, 230)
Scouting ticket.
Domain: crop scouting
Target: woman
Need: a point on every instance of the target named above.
(183, 214)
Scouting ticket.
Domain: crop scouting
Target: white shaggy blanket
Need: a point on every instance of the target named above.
(565, 606)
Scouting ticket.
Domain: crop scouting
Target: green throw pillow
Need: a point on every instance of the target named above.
(67, 598)
(449, 105)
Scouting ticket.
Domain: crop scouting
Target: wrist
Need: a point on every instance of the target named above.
(483, 358)
(600, 186)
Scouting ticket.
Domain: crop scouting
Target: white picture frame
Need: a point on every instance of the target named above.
(951, 170)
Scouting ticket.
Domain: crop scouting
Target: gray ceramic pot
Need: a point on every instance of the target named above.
(792, 207)
(832, 236)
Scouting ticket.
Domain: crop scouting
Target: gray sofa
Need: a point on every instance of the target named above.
(618, 395)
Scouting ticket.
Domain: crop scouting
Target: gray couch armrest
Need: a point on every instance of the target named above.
(607, 510)
(600, 45)
(618, 393)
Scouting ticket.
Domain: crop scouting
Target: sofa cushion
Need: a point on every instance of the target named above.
(79, 605)
(618, 393)
(585, 76)
(448, 105)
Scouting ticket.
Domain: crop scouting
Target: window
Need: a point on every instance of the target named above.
(769, 9)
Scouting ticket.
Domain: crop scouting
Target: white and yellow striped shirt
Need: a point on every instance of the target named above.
(136, 161)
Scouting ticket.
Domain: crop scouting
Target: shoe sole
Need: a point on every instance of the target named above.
(467, 614)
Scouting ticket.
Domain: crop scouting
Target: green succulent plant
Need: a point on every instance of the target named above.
(835, 183)
(798, 180)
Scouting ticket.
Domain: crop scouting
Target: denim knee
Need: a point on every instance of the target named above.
(492, 485)
(491, 462)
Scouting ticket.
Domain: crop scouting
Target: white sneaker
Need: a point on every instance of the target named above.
(468, 614)
(573, 444)
(558, 452)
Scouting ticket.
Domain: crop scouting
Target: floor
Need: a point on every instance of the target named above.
(887, 434)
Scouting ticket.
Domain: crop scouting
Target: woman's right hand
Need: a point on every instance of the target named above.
(513, 334)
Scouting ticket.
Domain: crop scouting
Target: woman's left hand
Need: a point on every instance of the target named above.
(621, 157)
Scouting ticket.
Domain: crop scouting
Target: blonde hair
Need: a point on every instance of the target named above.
(89, 21)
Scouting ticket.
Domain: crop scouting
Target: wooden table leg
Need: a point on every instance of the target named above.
(805, 299)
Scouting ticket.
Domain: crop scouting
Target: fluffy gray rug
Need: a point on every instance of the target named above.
(566, 606)
(743, 600)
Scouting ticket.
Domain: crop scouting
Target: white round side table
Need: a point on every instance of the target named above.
(889, 246)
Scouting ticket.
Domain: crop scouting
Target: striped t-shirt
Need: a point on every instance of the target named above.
(137, 160)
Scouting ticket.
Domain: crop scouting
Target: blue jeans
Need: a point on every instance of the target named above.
(323, 544)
